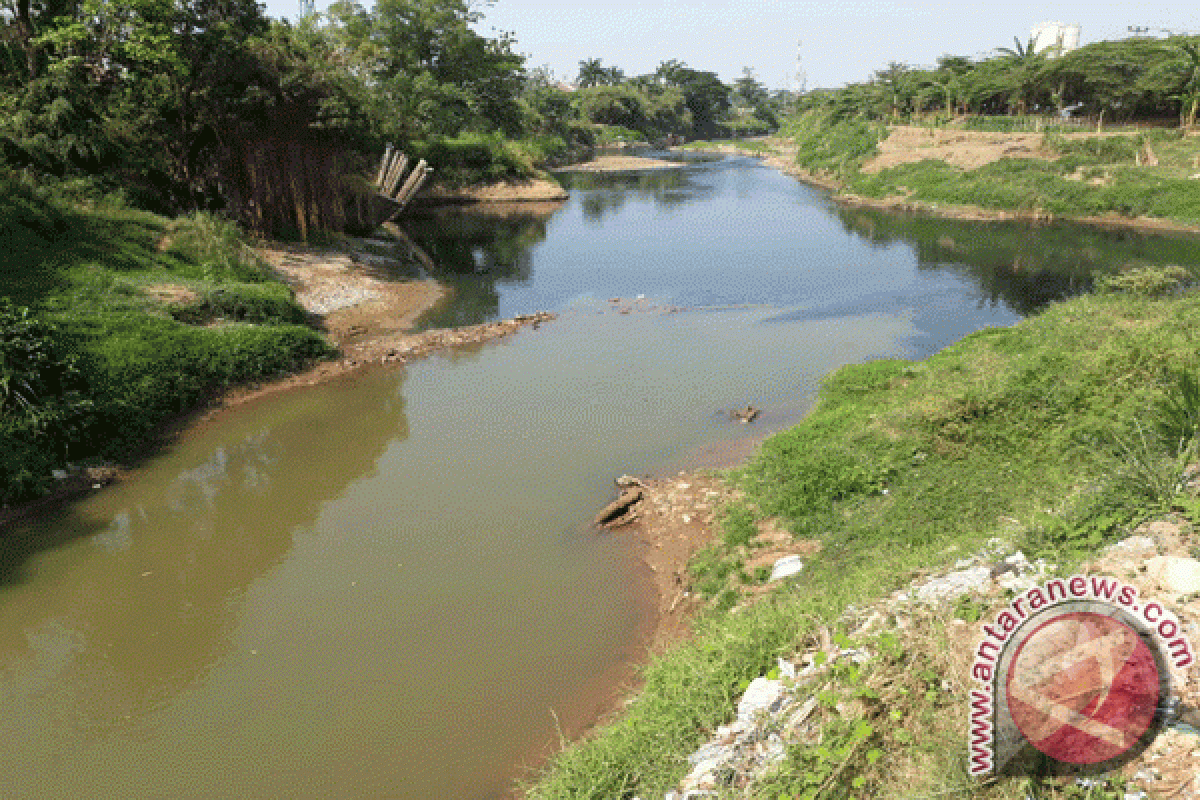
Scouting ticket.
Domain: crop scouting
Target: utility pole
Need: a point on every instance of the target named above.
(801, 77)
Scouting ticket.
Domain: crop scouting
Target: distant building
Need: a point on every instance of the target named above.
(1055, 38)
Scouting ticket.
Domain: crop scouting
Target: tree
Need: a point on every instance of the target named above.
(591, 73)
(897, 84)
(749, 92)
(1024, 65)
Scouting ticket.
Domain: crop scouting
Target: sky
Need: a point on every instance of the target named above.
(841, 41)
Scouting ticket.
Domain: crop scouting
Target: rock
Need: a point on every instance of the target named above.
(954, 585)
(59, 474)
(763, 695)
(744, 415)
(1134, 544)
(1175, 573)
(786, 567)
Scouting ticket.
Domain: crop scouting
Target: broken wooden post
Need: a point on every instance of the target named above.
(415, 180)
(384, 163)
(399, 164)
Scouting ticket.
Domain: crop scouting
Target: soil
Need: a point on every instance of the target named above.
(621, 164)
(962, 149)
(536, 190)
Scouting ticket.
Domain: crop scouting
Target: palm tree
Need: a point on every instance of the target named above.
(1025, 65)
(591, 73)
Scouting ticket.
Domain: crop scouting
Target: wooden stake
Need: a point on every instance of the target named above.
(383, 165)
(401, 164)
(410, 187)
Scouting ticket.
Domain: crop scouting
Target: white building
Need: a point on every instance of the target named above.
(1055, 37)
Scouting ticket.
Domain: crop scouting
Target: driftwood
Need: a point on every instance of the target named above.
(619, 511)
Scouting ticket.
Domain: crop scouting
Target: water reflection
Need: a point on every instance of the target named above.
(602, 194)
(173, 551)
(1020, 266)
(473, 252)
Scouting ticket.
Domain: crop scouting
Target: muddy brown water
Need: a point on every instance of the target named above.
(386, 587)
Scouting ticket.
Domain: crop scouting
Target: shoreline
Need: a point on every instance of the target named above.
(777, 158)
(365, 312)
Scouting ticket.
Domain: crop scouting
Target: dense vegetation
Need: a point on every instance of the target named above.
(181, 105)
(1135, 78)
(1057, 435)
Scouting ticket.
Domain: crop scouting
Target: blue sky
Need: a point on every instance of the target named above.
(842, 41)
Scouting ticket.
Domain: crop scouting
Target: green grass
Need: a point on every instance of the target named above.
(1091, 176)
(832, 147)
(1055, 435)
(80, 284)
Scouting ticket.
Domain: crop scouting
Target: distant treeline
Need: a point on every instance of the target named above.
(1129, 79)
(200, 104)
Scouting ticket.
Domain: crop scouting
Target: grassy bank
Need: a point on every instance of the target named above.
(1147, 174)
(1056, 435)
(112, 321)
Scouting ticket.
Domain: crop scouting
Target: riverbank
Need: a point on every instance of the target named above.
(1054, 438)
(186, 321)
(1122, 181)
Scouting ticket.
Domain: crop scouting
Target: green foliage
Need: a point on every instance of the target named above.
(214, 245)
(473, 158)
(828, 145)
(1146, 281)
(267, 303)
(89, 364)
(738, 527)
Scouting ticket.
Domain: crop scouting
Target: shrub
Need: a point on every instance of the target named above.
(244, 302)
(472, 158)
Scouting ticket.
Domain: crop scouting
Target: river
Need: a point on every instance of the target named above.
(387, 586)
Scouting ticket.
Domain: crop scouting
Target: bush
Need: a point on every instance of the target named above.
(829, 146)
(244, 302)
(141, 370)
(473, 158)
(214, 244)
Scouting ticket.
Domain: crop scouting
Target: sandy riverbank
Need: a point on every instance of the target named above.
(535, 190)
(621, 164)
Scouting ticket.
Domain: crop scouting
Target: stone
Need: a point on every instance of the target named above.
(1175, 573)
(1134, 544)
(786, 567)
(954, 585)
(762, 695)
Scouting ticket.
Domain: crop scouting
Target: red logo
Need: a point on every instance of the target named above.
(1084, 687)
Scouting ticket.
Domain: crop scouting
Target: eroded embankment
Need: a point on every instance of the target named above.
(963, 150)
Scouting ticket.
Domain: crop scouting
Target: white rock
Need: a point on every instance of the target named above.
(711, 752)
(786, 567)
(1135, 544)
(763, 694)
(59, 474)
(955, 585)
(1175, 573)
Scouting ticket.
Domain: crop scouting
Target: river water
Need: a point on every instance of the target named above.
(387, 586)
